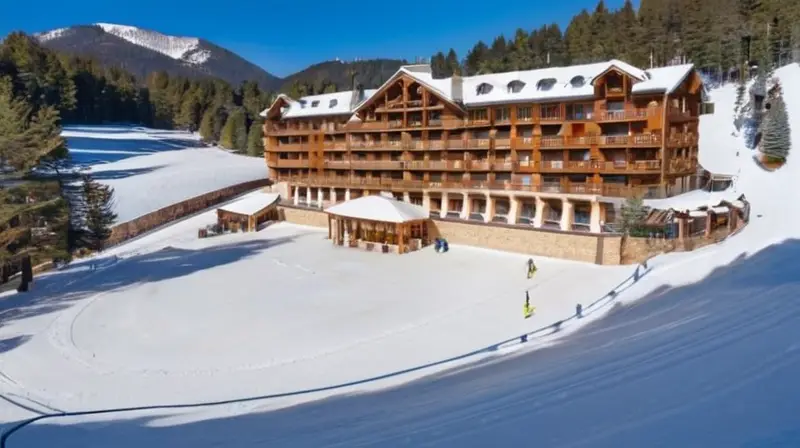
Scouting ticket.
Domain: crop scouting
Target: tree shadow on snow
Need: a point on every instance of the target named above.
(90, 150)
(122, 174)
(712, 363)
(56, 291)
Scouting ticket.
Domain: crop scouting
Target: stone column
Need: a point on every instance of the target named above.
(594, 219)
(406, 196)
(296, 198)
(320, 197)
(567, 215)
(308, 195)
(426, 201)
(347, 194)
(489, 215)
(445, 205)
(538, 217)
(333, 195)
(513, 209)
(466, 208)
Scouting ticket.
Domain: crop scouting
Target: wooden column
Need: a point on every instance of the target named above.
(329, 227)
(399, 228)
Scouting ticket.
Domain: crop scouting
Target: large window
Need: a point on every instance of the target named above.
(524, 113)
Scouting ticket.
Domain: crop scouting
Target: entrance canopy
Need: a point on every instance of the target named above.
(252, 204)
(250, 211)
(380, 209)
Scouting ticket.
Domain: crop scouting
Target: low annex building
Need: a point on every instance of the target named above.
(248, 213)
(378, 222)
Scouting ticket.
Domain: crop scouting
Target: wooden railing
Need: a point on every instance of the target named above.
(628, 114)
(292, 163)
(479, 143)
(502, 143)
(681, 140)
(479, 165)
(676, 113)
(290, 147)
(337, 164)
(613, 190)
(377, 164)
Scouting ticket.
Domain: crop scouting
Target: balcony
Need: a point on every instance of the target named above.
(454, 143)
(361, 144)
(287, 147)
(502, 121)
(549, 166)
(551, 141)
(502, 143)
(292, 163)
(504, 165)
(436, 144)
(680, 166)
(681, 140)
(417, 144)
(480, 143)
(337, 164)
(612, 190)
(551, 117)
(479, 165)
(335, 146)
(524, 142)
(675, 113)
(377, 164)
(628, 114)
(630, 140)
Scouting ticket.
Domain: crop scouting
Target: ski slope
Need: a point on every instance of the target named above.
(150, 169)
(703, 351)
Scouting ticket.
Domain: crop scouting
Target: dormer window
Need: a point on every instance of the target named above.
(315, 103)
(515, 86)
(333, 103)
(546, 84)
(483, 88)
(578, 81)
(302, 104)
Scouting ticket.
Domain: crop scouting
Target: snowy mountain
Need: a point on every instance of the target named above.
(143, 51)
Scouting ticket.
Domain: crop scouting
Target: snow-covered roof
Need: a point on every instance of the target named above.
(252, 204)
(547, 84)
(663, 79)
(379, 208)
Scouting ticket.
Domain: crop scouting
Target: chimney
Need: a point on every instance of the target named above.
(457, 88)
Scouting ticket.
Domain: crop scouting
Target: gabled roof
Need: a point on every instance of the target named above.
(540, 85)
(253, 204)
(379, 208)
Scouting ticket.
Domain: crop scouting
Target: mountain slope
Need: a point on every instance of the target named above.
(371, 73)
(142, 52)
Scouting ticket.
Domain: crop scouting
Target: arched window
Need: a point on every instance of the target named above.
(578, 81)
(546, 84)
(333, 103)
(483, 88)
(515, 86)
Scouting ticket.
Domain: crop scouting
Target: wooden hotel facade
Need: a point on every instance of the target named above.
(552, 148)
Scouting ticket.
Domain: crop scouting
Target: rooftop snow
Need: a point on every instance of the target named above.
(379, 208)
(252, 204)
(337, 103)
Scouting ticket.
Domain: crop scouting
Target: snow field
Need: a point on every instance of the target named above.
(150, 169)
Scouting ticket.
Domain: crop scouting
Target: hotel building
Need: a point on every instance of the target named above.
(555, 148)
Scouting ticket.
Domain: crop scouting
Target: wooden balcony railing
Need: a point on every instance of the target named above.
(377, 164)
(630, 140)
(292, 163)
(396, 124)
(628, 114)
(364, 144)
(436, 144)
(335, 146)
(477, 122)
(681, 140)
(397, 144)
(524, 142)
(286, 147)
(613, 190)
(502, 121)
(502, 143)
(337, 164)
(504, 165)
(551, 117)
(435, 122)
(480, 143)
(456, 144)
(479, 165)
(416, 144)
(676, 113)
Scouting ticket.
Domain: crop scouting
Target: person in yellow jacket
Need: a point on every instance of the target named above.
(527, 309)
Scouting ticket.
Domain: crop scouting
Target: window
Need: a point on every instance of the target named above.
(578, 81)
(333, 103)
(478, 115)
(502, 114)
(524, 113)
(515, 86)
(483, 88)
(315, 103)
(546, 84)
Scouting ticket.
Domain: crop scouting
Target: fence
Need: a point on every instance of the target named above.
(153, 220)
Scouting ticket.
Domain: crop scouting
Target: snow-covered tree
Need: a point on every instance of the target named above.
(776, 134)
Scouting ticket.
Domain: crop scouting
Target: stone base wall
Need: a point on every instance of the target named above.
(637, 250)
(303, 216)
(587, 247)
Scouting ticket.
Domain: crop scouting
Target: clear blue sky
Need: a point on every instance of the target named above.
(287, 36)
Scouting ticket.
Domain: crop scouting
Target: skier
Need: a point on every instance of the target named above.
(527, 309)
(531, 268)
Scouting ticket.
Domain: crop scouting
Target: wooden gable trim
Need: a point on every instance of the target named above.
(280, 101)
(401, 75)
(616, 69)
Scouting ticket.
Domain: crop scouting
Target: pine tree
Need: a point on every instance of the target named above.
(207, 126)
(451, 61)
(633, 213)
(234, 133)
(439, 66)
(255, 146)
(776, 135)
(98, 214)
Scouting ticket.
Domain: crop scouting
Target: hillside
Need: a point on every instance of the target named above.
(371, 73)
(142, 52)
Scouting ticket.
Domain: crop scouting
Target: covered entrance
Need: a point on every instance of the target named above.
(378, 223)
(246, 214)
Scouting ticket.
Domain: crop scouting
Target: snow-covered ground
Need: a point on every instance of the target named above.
(708, 358)
(150, 169)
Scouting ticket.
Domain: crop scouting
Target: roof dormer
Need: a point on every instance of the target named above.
(333, 103)
(483, 88)
(315, 103)
(515, 86)
(577, 81)
(545, 84)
